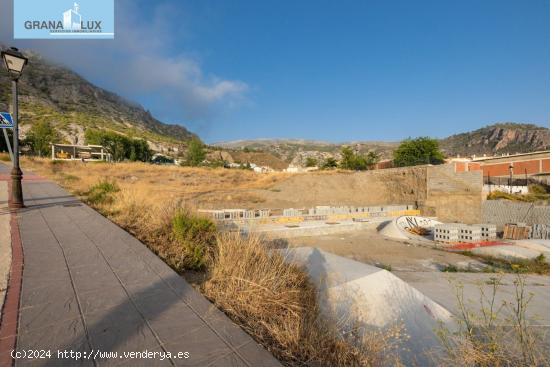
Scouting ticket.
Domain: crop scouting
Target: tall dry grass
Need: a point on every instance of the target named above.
(270, 299)
(276, 303)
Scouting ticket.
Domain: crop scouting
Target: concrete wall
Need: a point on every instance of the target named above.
(500, 212)
(437, 190)
(378, 187)
(453, 197)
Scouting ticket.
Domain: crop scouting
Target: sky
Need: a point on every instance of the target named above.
(324, 70)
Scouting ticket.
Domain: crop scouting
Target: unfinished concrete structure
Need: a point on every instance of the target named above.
(236, 214)
(68, 152)
(318, 213)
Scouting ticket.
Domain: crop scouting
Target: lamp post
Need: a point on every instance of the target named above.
(15, 62)
(511, 168)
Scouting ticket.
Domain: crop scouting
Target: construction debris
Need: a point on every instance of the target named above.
(516, 231)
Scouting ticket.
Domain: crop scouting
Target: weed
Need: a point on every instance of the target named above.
(196, 235)
(383, 266)
(500, 334)
(101, 193)
(450, 268)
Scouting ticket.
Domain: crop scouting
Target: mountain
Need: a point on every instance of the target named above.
(54, 93)
(295, 151)
(498, 138)
(494, 139)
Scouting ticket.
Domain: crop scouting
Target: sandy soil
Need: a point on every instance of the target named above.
(369, 247)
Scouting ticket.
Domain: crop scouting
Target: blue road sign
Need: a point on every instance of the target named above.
(6, 121)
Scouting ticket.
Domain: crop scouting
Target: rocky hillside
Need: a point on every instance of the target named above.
(494, 139)
(296, 151)
(497, 139)
(54, 93)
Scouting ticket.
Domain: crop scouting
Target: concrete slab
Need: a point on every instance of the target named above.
(374, 298)
(442, 289)
(509, 252)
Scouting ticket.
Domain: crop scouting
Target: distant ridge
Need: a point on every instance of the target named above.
(493, 139)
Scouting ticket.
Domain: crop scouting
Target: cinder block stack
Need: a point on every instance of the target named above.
(446, 233)
(488, 231)
(459, 232)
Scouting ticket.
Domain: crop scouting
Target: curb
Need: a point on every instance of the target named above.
(10, 311)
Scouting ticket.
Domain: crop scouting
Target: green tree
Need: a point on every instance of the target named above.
(357, 162)
(311, 162)
(422, 150)
(40, 136)
(119, 146)
(372, 159)
(195, 152)
(3, 145)
(329, 163)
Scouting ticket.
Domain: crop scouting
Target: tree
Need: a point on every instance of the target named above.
(412, 152)
(119, 146)
(195, 152)
(311, 162)
(357, 162)
(3, 146)
(372, 159)
(329, 163)
(40, 136)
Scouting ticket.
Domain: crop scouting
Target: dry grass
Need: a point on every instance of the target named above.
(164, 183)
(276, 303)
(270, 299)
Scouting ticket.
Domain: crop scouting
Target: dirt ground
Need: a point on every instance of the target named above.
(367, 246)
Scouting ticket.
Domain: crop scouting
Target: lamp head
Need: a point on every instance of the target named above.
(14, 61)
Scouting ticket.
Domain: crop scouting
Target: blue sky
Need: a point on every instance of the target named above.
(329, 70)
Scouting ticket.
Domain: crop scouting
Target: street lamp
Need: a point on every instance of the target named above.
(15, 62)
(511, 168)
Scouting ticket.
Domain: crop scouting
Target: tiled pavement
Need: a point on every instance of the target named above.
(88, 286)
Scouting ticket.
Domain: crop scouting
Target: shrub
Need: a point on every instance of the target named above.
(101, 193)
(499, 334)
(329, 163)
(197, 236)
(311, 162)
(537, 189)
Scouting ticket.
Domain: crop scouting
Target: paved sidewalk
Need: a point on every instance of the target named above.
(5, 241)
(88, 286)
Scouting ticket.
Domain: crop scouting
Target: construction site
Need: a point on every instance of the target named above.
(399, 238)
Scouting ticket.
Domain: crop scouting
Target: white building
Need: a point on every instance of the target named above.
(72, 19)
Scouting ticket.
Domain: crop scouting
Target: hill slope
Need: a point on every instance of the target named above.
(494, 139)
(498, 138)
(54, 93)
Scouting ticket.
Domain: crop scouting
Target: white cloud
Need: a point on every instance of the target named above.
(137, 61)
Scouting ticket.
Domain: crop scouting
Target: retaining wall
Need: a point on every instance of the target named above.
(500, 212)
(453, 197)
